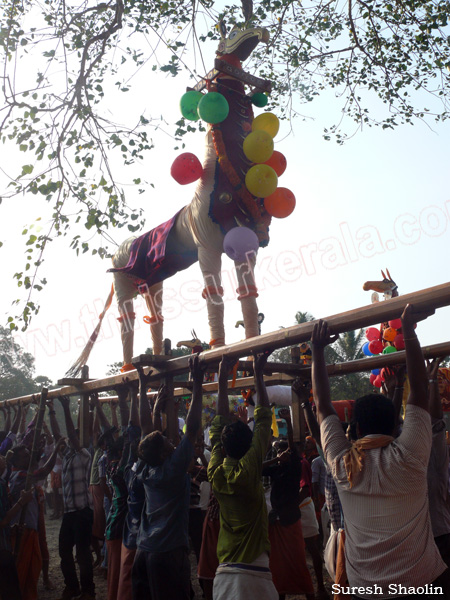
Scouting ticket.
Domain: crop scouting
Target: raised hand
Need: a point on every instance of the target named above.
(225, 367)
(433, 367)
(321, 335)
(411, 316)
(197, 368)
(260, 361)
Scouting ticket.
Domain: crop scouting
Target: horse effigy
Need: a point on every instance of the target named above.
(236, 196)
(388, 337)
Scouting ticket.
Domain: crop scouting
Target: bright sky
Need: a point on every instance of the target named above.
(381, 200)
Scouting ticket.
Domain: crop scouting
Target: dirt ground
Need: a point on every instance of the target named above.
(100, 582)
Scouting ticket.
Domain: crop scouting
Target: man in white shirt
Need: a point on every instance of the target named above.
(382, 481)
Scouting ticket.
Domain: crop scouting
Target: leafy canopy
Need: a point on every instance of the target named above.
(379, 63)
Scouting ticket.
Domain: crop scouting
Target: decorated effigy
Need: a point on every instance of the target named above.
(236, 196)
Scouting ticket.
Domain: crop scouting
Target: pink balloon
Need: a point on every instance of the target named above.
(240, 242)
(372, 333)
(186, 168)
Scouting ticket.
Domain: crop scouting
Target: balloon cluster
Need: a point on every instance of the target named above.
(388, 338)
(261, 180)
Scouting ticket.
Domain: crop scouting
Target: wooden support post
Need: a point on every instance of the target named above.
(169, 413)
(84, 422)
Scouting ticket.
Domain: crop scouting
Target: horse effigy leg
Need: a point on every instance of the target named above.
(247, 294)
(125, 291)
(153, 299)
(211, 265)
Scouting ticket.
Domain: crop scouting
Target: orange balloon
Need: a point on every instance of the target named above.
(389, 334)
(281, 203)
(278, 162)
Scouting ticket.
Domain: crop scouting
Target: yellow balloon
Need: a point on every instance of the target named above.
(267, 122)
(258, 146)
(261, 181)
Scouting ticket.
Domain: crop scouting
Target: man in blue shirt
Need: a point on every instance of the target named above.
(161, 567)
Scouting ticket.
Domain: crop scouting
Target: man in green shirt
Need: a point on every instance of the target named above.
(235, 475)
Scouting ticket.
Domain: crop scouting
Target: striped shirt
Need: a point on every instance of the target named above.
(75, 479)
(389, 539)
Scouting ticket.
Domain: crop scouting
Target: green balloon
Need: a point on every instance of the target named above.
(213, 108)
(189, 104)
(259, 99)
(389, 349)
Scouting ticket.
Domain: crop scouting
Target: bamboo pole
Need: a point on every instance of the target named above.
(434, 297)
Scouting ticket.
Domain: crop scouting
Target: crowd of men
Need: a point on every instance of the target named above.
(144, 493)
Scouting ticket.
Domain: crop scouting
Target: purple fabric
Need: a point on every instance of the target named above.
(6, 445)
(149, 262)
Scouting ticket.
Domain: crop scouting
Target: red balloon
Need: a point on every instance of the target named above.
(278, 162)
(186, 168)
(372, 333)
(395, 324)
(372, 378)
(281, 203)
(399, 342)
(377, 383)
(376, 347)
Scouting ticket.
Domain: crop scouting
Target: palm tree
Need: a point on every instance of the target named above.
(346, 348)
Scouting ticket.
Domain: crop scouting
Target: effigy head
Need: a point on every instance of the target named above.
(240, 42)
(386, 286)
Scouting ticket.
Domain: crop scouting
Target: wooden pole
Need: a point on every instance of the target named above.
(365, 316)
(29, 478)
(84, 412)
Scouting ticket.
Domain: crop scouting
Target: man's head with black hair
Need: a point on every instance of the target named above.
(374, 414)
(19, 457)
(236, 439)
(155, 448)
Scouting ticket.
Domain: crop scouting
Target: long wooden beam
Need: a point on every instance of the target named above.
(430, 298)
(276, 374)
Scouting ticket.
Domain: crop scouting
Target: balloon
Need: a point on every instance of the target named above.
(377, 383)
(375, 371)
(186, 168)
(366, 350)
(372, 333)
(239, 242)
(399, 342)
(261, 181)
(376, 346)
(389, 334)
(383, 374)
(372, 378)
(213, 108)
(258, 146)
(189, 104)
(281, 203)
(268, 122)
(278, 163)
(260, 100)
(389, 350)
(395, 323)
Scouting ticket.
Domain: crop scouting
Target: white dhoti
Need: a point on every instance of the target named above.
(243, 581)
